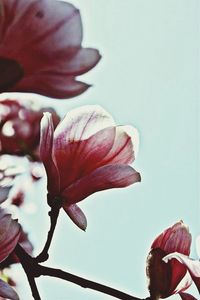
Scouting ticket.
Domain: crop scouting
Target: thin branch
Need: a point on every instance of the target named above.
(28, 266)
(34, 269)
(85, 283)
(43, 256)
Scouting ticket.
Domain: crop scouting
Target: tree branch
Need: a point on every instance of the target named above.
(28, 265)
(85, 283)
(34, 269)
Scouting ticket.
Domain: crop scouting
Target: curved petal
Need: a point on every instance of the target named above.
(7, 292)
(51, 84)
(174, 239)
(184, 284)
(186, 296)
(10, 232)
(80, 158)
(106, 177)
(84, 60)
(76, 215)
(122, 152)
(193, 266)
(81, 123)
(46, 142)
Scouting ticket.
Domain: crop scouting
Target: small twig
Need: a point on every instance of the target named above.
(54, 212)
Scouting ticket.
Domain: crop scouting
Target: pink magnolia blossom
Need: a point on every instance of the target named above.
(168, 279)
(9, 236)
(20, 127)
(40, 48)
(86, 153)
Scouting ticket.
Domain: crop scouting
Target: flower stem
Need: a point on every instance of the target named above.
(44, 255)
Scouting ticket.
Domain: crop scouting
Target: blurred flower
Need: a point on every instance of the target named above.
(86, 153)
(20, 127)
(12, 258)
(9, 237)
(168, 279)
(8, 172)
(40, 48)
(193, 266)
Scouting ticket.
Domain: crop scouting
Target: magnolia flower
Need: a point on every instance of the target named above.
(20, 127)
(193, 266)
(40, 48)
(168, 279)
(9, 237)
(86, 153)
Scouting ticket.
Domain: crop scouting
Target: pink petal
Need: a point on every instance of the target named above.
(193, 266)
(9, 234)
(106, 177)
(76, 215)
(175, 238)
(79, 158)
(46, 141)
(7, 292)
(186, 296)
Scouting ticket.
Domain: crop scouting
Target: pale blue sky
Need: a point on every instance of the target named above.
(148, 77)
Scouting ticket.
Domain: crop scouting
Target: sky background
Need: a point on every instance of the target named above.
(148, 77)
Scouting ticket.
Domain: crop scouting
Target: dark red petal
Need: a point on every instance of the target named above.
(40, 29)
(186, 296)
(106, 177)
(51, 33)
(46, 142)
(10, 232)
(7, 292)
(51, 85)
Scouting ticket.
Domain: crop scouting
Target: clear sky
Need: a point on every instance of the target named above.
(147, 78)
